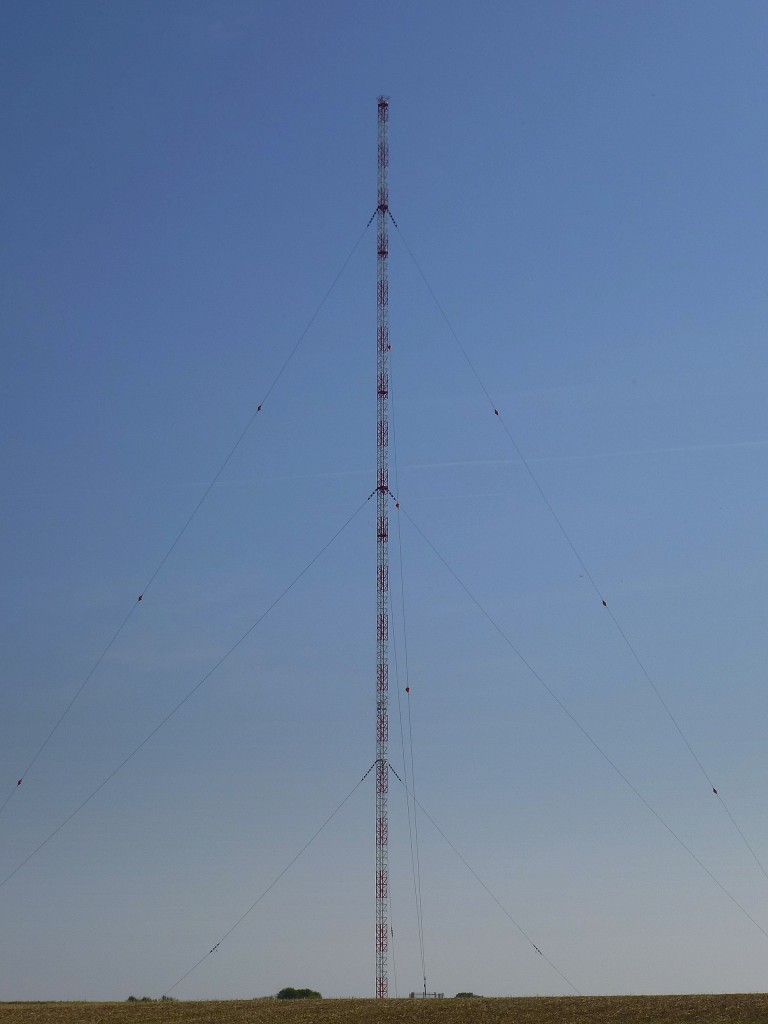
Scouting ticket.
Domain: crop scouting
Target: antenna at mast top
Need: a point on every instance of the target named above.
(383, 204)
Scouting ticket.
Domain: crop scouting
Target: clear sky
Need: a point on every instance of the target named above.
(584, 187)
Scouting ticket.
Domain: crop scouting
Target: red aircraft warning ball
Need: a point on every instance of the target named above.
(407, 689)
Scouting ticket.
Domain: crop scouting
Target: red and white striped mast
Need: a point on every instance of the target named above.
(382, 560)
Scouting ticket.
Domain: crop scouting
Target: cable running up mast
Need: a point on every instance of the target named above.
(382, 560)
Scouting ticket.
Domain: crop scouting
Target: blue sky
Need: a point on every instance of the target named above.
(583, 186)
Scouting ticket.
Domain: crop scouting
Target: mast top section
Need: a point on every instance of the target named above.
(383, 204)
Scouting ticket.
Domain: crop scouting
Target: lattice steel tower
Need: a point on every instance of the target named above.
(382, 560)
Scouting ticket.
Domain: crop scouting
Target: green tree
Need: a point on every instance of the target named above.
(298, 993)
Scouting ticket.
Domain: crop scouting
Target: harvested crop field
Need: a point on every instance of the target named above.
(697, 1009)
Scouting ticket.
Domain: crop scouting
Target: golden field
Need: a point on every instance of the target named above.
(698, 1009)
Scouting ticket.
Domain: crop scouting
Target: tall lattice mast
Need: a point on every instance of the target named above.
(382, 561)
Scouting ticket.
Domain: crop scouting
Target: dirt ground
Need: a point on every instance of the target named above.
(695, 1009)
